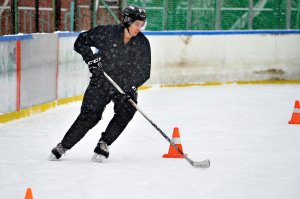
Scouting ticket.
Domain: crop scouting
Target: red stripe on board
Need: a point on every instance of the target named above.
(57, 67)
(18, 70)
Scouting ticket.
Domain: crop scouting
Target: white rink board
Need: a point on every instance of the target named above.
(224, 58)
(52, 70)
(8, 83)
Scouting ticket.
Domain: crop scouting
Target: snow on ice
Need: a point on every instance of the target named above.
(243, 130)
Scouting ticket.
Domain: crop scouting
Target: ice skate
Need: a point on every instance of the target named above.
(57, 152)
(98, 157)
(101, 152)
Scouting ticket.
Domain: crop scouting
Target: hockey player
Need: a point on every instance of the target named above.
(124, 54)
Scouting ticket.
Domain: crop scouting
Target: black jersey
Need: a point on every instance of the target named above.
(127, 64)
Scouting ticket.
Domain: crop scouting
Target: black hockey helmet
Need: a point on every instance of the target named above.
(132, 13)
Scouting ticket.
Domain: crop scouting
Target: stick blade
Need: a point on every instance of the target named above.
(203, 164)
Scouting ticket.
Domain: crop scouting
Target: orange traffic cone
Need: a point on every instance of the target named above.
(28, 194)
(296, 114)
(173, 153)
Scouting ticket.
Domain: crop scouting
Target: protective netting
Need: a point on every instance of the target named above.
(21, 15)
(221, 14)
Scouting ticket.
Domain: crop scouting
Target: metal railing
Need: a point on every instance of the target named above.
(162, 15)
(23, 19)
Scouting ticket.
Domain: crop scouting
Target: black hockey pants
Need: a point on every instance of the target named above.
(94, 102)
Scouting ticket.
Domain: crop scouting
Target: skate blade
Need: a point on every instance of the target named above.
(52, 157)
(98, 158)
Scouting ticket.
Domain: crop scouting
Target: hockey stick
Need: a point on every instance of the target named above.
(201, 164)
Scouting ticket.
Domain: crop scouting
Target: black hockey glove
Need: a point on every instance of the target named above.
(94, 64)
(130, 93)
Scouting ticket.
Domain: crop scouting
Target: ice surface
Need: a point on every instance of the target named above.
(243, 130)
